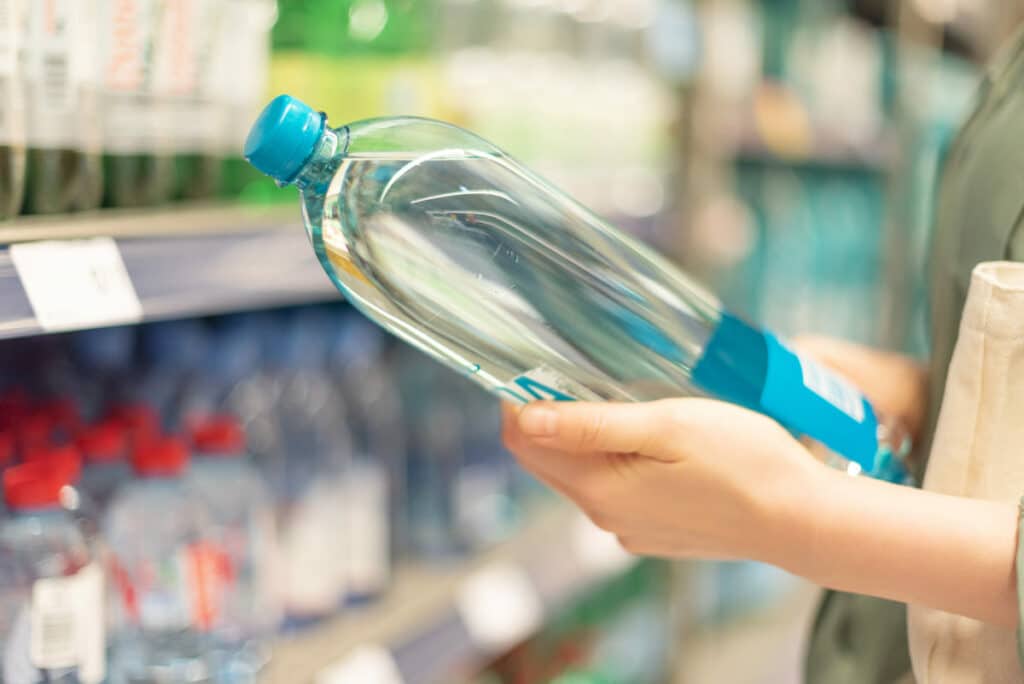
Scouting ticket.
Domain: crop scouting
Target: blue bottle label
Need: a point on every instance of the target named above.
(814, 401)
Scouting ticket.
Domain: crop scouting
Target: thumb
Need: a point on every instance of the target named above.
(590, 427)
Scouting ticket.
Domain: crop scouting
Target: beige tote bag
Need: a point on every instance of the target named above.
(978, 452)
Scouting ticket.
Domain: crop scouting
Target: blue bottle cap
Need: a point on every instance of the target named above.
(283, 138)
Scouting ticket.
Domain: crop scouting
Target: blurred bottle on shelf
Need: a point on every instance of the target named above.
(433, 455)
(241, 529)
(105, 356)
(373, 479)
(64, 172)
(168, 574)
(12, 109)
(186, 86)
(242, 64)
(51, 587)
(486, 510)
(138, 160)
(67, 460)
(307, 449)
(104, 447)
(171, 375)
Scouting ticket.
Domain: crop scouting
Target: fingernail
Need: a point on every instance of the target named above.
(538, 421)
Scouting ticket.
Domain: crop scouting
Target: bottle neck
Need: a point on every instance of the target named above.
(330, 149)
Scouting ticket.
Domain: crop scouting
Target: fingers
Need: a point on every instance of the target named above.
(595, 427)
(547, 465)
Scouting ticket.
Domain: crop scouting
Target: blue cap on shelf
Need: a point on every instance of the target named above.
(283, 138)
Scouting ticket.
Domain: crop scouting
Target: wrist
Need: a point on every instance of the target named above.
(793, 513)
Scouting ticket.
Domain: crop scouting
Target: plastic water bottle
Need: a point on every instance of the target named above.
(51, 588)
(67, 460)
(104, 357)
(167, 573)
(184, 78)
(434, 455)
(173, 354)
(12, 112)
(64, 170)
(373, 480)
(241, 528)
(137, 163)
(453, 246)
(104, 447)
(315, 449)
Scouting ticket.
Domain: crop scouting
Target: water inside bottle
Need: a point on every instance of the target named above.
(415, 238)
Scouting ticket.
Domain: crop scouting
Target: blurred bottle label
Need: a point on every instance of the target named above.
(182, 73)
(209, 572)
(125, 33)
(48, 52)
(10, 95)
(67, 623)
(241, 65)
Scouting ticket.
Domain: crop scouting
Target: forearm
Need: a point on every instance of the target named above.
(869, 537)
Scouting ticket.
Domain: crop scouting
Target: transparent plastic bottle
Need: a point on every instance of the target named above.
(12, 112)
(104, 357)
(138, 163)
(64, 171)
(453, 246)
(185, 90)
(314, 451)
(104, 448)
(172, 354)
(242, 69)
(166, 571)
(241, 528)
(51, 588)
(67, 460)
(374, 477)
(434, 456)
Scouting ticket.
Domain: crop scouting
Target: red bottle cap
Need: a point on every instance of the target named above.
(65, 459)
(139, 420)
(103, 442)
(33, 485)
(219, 435)
(161, 457)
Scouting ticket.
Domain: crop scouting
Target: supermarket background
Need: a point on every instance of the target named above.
(783, 151)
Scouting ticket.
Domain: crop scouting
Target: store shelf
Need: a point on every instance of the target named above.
(439, 623)
(875, 156)
(181, 261)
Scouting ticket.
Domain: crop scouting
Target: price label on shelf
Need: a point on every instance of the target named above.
(499, 606)
(76, 284)
(365, 665)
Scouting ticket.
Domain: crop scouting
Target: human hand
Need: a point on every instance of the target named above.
(674, 478)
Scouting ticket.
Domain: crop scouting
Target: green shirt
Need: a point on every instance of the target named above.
(862, 640)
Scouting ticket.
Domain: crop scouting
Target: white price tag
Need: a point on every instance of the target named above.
(365, 665)
(499, 606)
(76, 284)
(598, 551)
